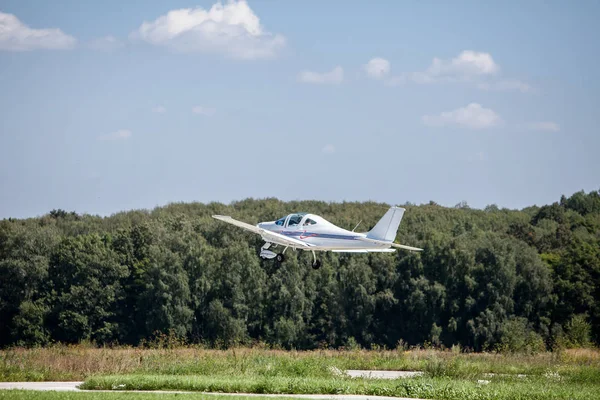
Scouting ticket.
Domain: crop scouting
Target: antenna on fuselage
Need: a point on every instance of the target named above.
(357, 225)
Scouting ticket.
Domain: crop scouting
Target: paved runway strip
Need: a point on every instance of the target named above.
(59, 386)
(357, 373)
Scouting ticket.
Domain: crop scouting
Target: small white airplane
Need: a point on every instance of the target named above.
(311, 232)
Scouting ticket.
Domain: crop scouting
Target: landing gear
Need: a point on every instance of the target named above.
(316, 263)
(267, 254)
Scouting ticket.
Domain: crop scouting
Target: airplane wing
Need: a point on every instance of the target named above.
(383, 242)
(267, 235)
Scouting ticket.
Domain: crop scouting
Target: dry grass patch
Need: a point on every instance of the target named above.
(62, 362)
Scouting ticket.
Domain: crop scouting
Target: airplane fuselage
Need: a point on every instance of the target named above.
(317, 232)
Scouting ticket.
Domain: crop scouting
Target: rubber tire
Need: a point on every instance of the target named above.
(280, 258)
(316, 264)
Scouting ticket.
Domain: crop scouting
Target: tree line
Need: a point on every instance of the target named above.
(487, 279)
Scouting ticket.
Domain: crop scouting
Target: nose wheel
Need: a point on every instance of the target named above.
(316, 263)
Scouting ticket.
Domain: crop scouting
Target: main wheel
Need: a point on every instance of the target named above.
(316, 264)
(280, 257)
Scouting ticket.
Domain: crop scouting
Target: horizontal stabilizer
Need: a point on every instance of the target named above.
(386, 243)
(401, 246)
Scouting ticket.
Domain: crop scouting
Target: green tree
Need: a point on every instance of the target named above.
(85, 274)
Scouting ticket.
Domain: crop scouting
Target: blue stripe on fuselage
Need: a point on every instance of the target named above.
(306, 235)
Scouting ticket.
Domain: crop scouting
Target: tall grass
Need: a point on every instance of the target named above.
(64, 362)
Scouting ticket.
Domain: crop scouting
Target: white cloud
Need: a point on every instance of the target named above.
(106, 43)
(16, 36)
(473, 116)
(328, 149)
(378, 68)
(335, 76)
(159, 109)
(121, 134)
(207, 111)
(471, 67)
(231, 29)
(464, 67)
(544, 126)
(506, 85)
(466, 63)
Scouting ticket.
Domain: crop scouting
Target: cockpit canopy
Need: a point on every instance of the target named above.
(295, 220)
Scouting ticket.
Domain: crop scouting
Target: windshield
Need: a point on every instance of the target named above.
(295, 219)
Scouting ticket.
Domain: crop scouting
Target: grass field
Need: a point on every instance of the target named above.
(571, 374)
(27, 394)
(426, 388)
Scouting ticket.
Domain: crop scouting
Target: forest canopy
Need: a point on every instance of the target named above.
(491, 279)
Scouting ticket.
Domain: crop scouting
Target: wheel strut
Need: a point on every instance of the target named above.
(316, 263)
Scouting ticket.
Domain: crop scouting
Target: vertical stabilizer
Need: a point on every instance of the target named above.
(387, 226)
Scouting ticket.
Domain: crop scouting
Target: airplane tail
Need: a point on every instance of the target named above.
(387, 226)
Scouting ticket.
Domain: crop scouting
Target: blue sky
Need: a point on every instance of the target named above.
(110, 106)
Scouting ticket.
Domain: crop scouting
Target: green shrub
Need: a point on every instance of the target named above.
(352, 344)
(517, 336)
(579, 331)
